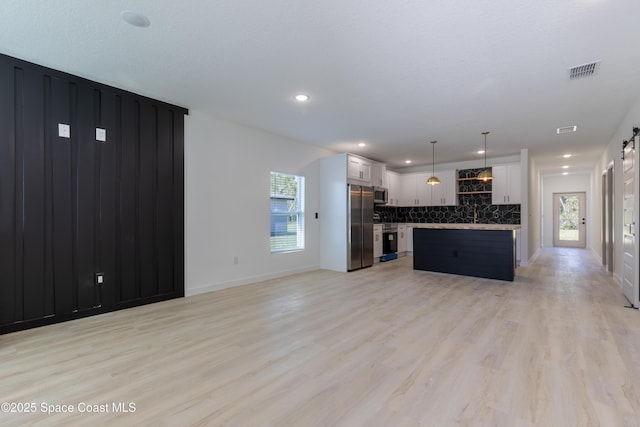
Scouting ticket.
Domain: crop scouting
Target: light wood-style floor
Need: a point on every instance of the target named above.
(385, 346)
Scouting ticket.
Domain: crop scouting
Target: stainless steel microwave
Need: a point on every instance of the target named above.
(380, 195)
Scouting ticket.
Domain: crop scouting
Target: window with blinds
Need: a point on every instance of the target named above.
(287, 212)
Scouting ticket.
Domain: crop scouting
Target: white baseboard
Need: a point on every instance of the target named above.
(534, 256)
(598, 256)
(190, 291)
(617, 278)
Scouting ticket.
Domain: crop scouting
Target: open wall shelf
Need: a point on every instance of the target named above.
(475, 192)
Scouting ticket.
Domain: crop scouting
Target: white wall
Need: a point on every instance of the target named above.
(227, 203)
(565, 184)
(524, 207)
(333, 204)
(534, 213)
(596, 213)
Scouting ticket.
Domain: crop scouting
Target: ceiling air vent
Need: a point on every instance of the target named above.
(584, 70)
(566, 129)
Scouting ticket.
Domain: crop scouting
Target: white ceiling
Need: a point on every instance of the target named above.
(393, 74)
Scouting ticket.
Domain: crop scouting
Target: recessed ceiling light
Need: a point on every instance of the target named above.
(134, 18)
(565, 173)
(407, 161)
(480, 151)
(566, 156)
(301, 97)
(362, 144)
(565, 167)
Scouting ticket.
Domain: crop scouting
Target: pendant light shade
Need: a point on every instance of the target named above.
(486, 174)
(434, 179)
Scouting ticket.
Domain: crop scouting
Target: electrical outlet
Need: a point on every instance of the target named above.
(99, 278)
(236, 260)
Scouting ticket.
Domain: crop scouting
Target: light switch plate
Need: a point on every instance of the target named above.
(101, 134)
(99, 278)
(64, 130)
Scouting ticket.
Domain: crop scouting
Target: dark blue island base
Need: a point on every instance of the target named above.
(469, 252)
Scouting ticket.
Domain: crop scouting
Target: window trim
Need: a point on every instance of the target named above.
(298, 212)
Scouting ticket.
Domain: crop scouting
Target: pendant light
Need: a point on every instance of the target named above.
(434, 179)
(485, 175)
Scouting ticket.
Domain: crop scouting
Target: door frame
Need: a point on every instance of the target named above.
(607, 218)
(582, 241)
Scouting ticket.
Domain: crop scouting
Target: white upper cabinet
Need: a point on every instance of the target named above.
(444, 194)
(393, 185)
(359, 168)
(415, 190)
(407, 190)
(506, 185)
(379, 175)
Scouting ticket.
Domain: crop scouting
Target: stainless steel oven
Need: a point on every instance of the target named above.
(389, 239)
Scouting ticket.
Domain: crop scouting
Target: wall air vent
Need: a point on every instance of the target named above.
(584, 70)
(566, 129)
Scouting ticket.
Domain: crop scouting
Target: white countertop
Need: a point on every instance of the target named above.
(467, 226)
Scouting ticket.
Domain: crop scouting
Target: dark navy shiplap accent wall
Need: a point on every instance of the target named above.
(76, 208)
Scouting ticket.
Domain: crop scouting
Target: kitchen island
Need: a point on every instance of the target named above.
(480, 250)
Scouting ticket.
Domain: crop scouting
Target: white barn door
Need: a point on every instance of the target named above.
(630, 258)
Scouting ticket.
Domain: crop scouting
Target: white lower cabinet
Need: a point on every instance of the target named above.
(518, 248)
(377, 241)
(409, 239)
(402, 239)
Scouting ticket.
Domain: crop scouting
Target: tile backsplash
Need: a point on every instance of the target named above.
(463, 213)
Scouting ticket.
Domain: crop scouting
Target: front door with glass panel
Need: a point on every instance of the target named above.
(569, 222)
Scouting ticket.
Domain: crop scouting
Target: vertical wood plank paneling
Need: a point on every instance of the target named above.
(62, 183)
(18, 226)
(108, 198)
(33, 176)
(164, 204)
(147, 200)
(49, 293)
(7, 193)
(178, 202)
(116, 141)
(127, 188)
(97, 194)
(83, 136)
(72, 207)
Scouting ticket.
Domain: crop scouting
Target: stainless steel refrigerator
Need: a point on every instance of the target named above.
(360, 239)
